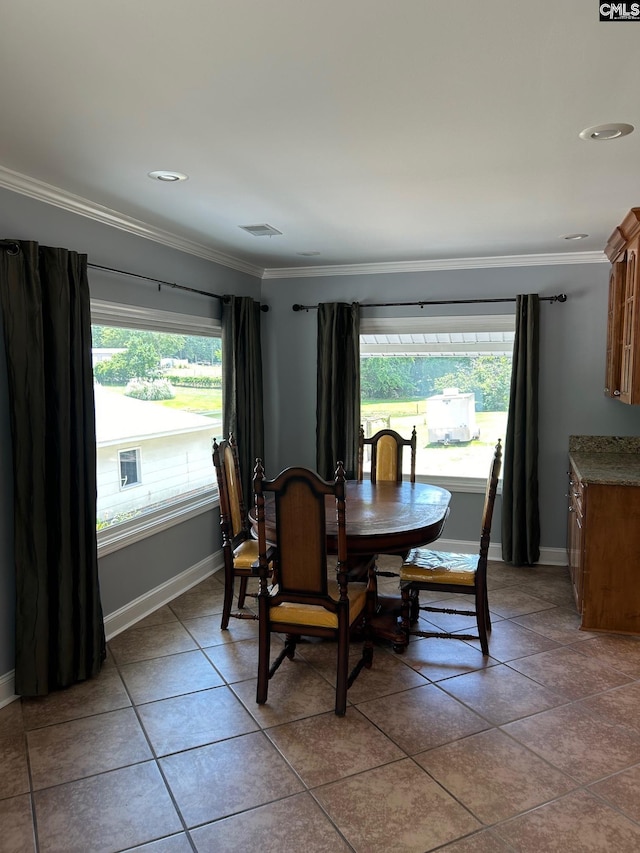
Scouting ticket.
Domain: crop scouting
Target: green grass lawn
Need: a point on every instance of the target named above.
(200, 401)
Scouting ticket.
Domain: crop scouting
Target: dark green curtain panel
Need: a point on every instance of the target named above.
(242, 384)
(520, 512)
(338, 400)
(44, 295)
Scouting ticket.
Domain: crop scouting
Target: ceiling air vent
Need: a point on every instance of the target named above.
(261, 230)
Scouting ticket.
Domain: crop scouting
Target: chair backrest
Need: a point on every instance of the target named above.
(233, 514)
(301, 534)
(489, 500)
(387, 447)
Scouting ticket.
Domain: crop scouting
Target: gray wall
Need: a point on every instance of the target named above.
(572, 374)
(573, 337)
(132, 571)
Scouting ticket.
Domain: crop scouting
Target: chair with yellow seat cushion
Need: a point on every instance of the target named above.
(387, 448)
(308, 600)
(240, 549)
(454, 573)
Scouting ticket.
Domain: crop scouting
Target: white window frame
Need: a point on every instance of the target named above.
(105, 313)
(434, 324)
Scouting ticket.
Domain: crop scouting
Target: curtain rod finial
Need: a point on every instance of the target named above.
(561, 297)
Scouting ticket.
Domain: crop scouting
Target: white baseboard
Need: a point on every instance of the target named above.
(7, 683)
(137, 609)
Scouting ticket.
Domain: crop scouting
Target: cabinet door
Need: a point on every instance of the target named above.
(629, 371)
(614, 328)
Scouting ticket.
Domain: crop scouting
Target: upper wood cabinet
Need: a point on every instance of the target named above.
(623, 325)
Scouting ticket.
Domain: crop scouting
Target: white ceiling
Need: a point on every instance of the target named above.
(370, 131)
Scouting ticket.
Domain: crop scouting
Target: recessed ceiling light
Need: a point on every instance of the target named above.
(573, 236)
(167, 176)
(600, 132)
(308, 254)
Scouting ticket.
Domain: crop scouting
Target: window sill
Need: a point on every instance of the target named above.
(467, 485)
(121, 535)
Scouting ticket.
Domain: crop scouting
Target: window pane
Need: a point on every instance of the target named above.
(161, 393)
(457, 402)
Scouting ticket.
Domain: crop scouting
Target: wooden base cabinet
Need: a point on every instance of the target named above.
(603, 546)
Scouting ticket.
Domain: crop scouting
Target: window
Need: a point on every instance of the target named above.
(447, 376)
(129, 468)
(158, 404)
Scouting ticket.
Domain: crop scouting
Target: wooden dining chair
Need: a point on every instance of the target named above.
(454, 573)
(239, 548)
(387, 448)
(306, 602)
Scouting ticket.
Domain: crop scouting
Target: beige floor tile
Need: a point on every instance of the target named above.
(158, 617)
(621, 791)
(231, 776)
(14, 774)
(578, 823)
(396, 807)
(238, 661)
(569, 673)
(11, 719)
(16, 822)
(325, 748)
(167, 638)
(198, 709)
(481, 842)
(174, 675)
(173, 844)
(105, 692)
(614, 650)
(493, 776)
(422, 718)
(84, 747)
(198, 602)
(206, 630)
(508, 641)
(514, 601)
(196, 719)
(438, 659)
(581, 745)
(295, 691)
(499, 694)
(559, 624)
(292, 825)
(388, 674)
(105, 813)
(621, 706)
(557, 590)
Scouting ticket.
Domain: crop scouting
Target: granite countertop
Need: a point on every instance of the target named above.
(606, 460)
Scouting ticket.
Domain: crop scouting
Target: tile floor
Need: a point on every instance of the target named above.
(536, 748)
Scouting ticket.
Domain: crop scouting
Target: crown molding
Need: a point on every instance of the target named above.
(72, 203)
(552, 259)
(49, 194)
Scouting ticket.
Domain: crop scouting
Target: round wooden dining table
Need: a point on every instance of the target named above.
(381, 518)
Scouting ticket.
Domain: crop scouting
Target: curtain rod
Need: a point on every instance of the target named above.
(172, 284)
(561, 297)
(13, 248)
